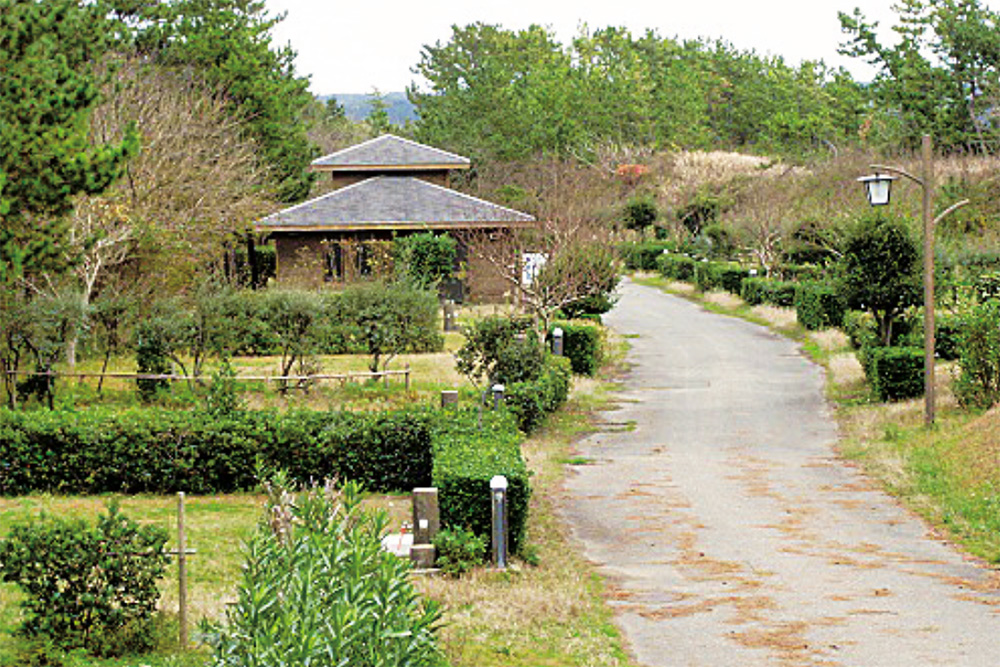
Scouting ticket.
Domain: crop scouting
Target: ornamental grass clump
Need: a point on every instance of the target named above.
(318, 589)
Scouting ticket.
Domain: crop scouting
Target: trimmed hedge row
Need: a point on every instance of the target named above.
(757, 291)
(581, 345)
(676, 267)
(643, 256)
(819, 306)
(894, 373)
(160, 451)
(533, 400)
(466, 458)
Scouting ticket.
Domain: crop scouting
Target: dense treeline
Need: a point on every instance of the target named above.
(505, 94)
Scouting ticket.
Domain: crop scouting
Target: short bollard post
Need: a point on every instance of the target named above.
(498, 390)
(498, 492)
(557, 342)
(449, 315)
(449, 398)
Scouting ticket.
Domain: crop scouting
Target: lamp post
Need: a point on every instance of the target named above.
(877, 187)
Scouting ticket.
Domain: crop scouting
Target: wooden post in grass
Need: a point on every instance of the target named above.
(182, 571)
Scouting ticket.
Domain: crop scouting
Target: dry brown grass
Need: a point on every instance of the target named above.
(845, 370)
(830, 340)
(781, 318)
(724, 299)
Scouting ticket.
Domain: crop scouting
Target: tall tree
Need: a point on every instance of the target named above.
(942, 76)
(229, 44)
(48, 54)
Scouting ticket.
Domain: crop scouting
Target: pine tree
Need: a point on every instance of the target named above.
(49, 52)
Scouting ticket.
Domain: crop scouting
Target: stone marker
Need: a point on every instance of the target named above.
(449, 397)
(426, 524)
(426, 515)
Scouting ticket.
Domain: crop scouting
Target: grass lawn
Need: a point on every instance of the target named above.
(545, 614)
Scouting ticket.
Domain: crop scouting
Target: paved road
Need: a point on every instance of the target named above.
(730, 532)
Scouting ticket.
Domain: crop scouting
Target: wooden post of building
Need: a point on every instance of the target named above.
(182, 572)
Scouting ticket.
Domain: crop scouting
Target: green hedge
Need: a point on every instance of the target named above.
(581, 345)
(532, 401)
(895, 373)
(676, 267)
(466, 458)
(160, 451)
(643, 256)
(819, 305)
(756, 291)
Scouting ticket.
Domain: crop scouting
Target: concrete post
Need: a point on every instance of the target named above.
(449, 315)
(426, 524)
(557, 342)
(498, 492)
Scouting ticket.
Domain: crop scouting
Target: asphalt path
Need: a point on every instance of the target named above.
(729, 531)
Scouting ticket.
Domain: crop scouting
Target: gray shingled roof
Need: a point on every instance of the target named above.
(391, 202)
(389, 151)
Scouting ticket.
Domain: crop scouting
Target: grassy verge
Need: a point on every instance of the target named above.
(949, 474)
(550, 614)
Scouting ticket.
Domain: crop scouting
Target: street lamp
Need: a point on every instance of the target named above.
(878, 187)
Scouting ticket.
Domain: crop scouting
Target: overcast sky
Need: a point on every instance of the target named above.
(356, 46)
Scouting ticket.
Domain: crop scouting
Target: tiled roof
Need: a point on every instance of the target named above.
(390, 152)
(391, 202)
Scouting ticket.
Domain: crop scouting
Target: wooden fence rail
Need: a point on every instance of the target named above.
(344, 378)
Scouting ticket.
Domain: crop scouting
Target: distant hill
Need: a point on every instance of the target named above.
(357, 107)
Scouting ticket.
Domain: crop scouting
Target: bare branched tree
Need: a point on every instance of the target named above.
(194, 184)
(568, 254)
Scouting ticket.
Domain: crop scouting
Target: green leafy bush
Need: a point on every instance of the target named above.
(640, 212)
(895, 373)
(87, 586)
(756, 291)
(978, 382)
(880, 271)
(819, 305)
(392, 318)
(532, 401)
(860, 328)
(466, 457)
(676, 267)
(643, 256)
(501, 349)
(582, 345)
(459, 550)
(318, 588)
(425, 259)
(151, 359)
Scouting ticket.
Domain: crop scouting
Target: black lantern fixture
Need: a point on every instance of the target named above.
(877, 187)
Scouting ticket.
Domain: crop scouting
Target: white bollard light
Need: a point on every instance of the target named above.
(557, 342)
(498, 390)
(498, 492)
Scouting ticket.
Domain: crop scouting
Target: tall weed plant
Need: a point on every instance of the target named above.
(318, 589)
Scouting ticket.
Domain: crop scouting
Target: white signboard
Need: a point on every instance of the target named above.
(531, 265)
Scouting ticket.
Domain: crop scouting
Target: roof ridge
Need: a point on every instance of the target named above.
(345, 153)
